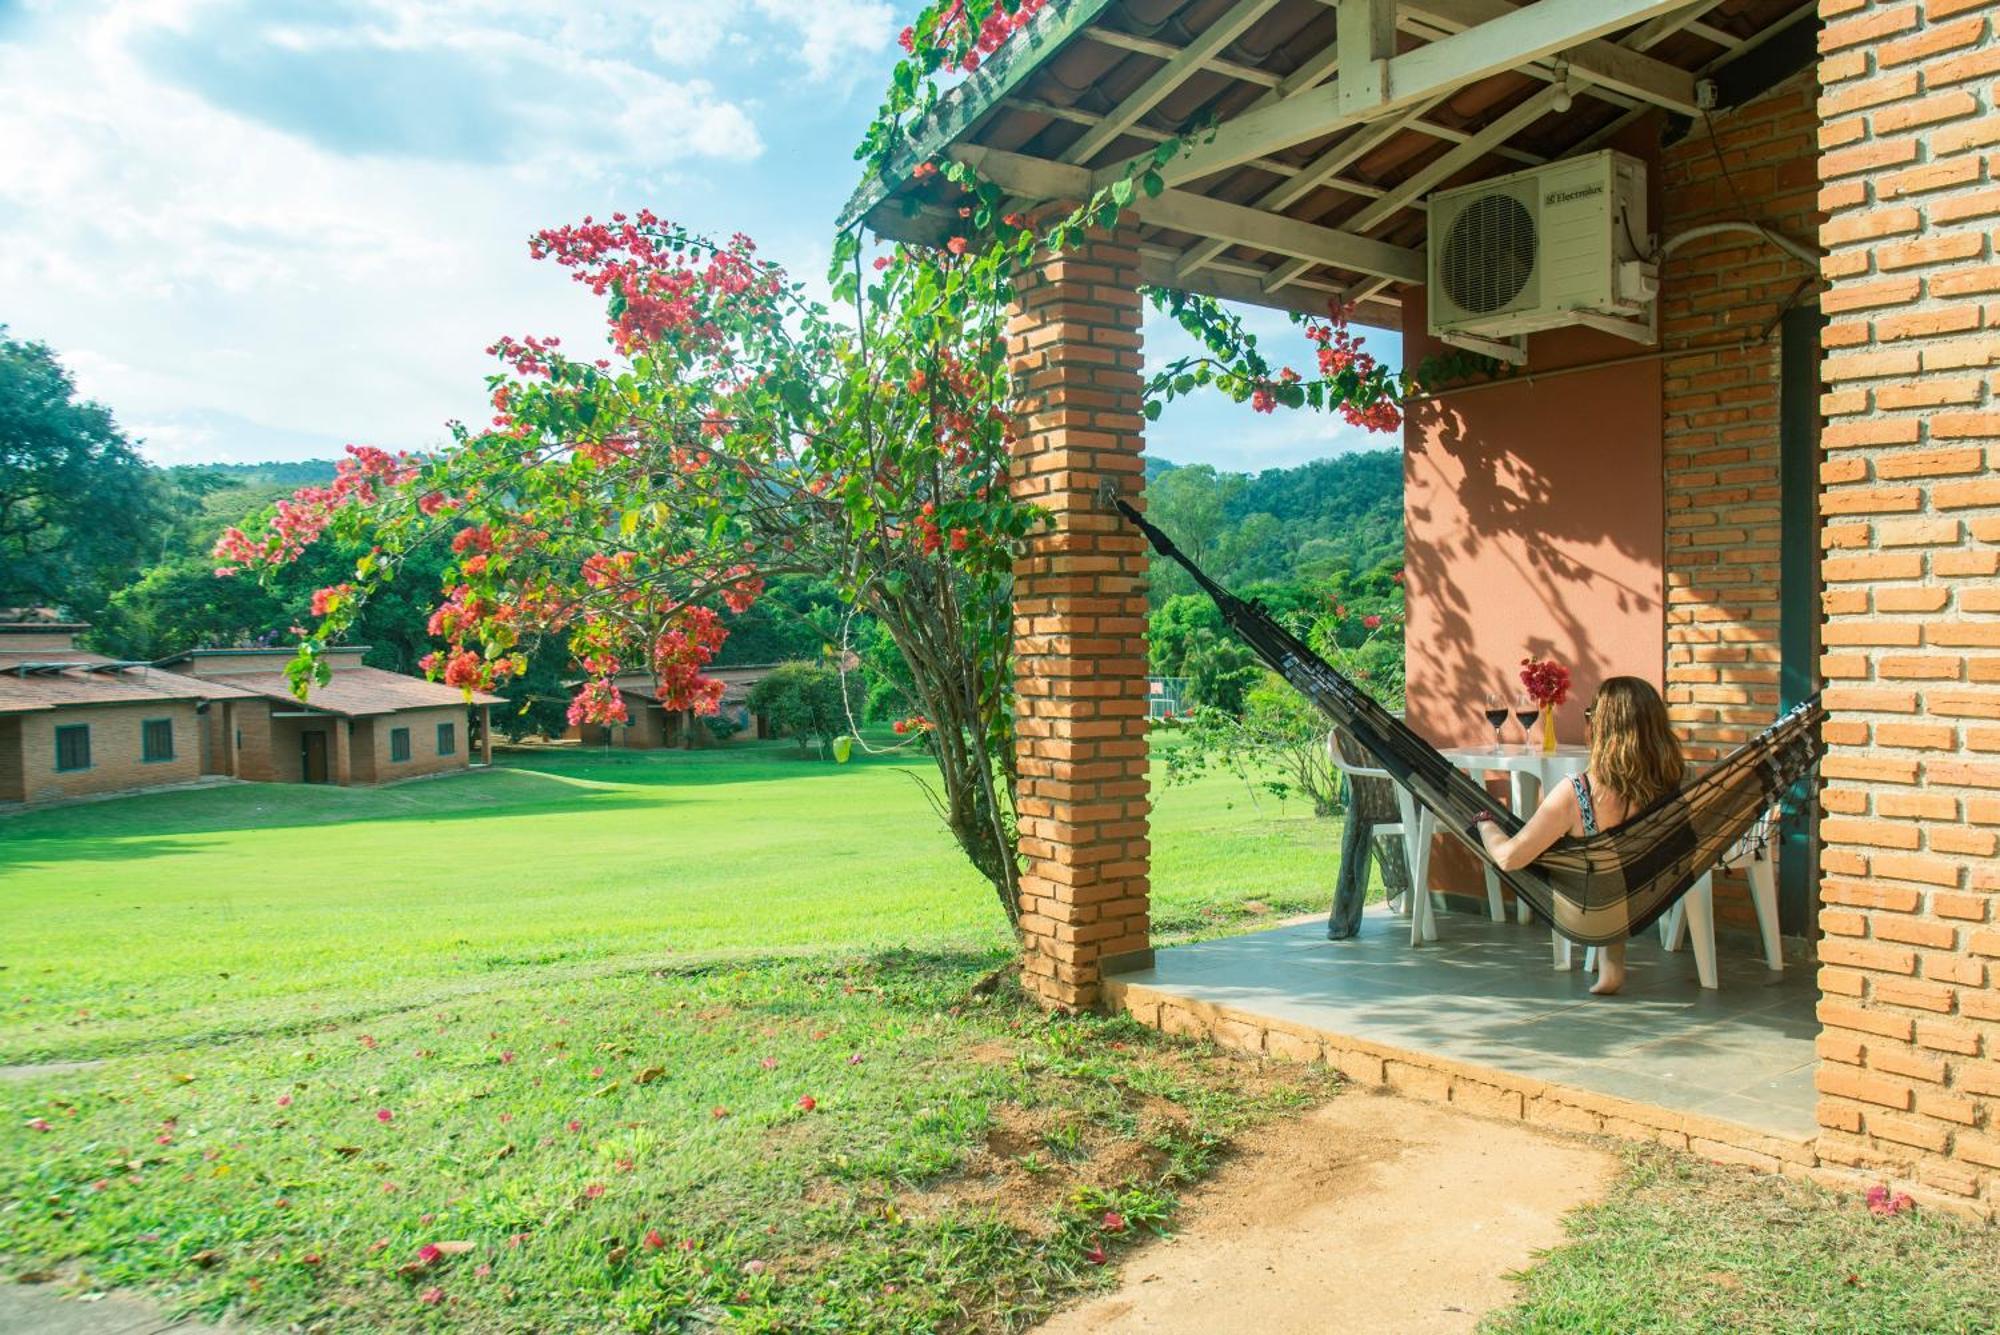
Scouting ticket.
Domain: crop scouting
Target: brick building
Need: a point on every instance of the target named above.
(651, 725)
(365, 725)
(1793, 477)
(78, 724)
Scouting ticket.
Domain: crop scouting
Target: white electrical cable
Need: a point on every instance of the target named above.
(1810, 256)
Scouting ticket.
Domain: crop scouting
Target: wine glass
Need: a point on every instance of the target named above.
(1526, 710)
(1496, 715)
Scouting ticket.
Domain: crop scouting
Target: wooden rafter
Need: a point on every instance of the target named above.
(1207, 45)
(1419, 183)
(1040, 178)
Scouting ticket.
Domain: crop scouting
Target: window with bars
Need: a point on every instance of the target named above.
(156, 740)
(447, 739)
(73, 746)
(399, 745)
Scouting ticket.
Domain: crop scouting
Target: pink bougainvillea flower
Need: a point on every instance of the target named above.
(39, 1124)
(624, 1165)
(597, 1073)
(164, 1138)
(718, 1113)
(1096, 1254)
(755, 1267)
(1371, 621)
(594, 1190)
(384, 1116)
(769, 1063)
(311, 1258)
(380, 1244)
(507, 1057)
(1114, 1222)
(429, 1253)
(654, 1241)
(368, 1041)
(808, 1103)
(284, 1100)
(854, 1059)
(575, 1126)
(1882, 1202)
(431, 1297)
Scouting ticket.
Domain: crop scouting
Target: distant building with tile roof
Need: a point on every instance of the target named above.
(77, 724)
(364, 725)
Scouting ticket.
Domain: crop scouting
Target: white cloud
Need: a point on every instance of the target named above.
(197, 265)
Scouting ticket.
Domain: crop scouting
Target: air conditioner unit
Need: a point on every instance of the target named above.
(1559, 245)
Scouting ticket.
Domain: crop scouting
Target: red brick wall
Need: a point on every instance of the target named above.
(424, 757)
(1721, 408)
(1080, 621)
(1721, 417)
(1910, 1076)
(115, 750)
(13, 779)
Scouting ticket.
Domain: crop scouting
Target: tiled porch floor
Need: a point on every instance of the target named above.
(1486, 993)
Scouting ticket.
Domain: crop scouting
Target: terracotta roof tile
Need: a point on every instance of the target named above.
(356, 691)
(32, 681)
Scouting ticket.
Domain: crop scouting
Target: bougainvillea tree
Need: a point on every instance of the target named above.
(735, 431)
(739, 430)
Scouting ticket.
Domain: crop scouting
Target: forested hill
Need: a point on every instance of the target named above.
(1342, 514)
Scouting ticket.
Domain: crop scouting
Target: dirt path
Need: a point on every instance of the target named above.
(1372, 1213)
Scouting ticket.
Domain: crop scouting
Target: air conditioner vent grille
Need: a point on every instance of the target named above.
(1489, 253)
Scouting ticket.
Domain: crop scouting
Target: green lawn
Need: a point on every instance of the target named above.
(559, 1020)
(1684, 1245)
(687, 1041)
(190, 917)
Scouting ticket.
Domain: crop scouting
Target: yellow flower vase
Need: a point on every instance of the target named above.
(1548, 730)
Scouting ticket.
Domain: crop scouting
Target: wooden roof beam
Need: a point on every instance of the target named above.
(1420, 182)
(1517, 38)
(1207, 45)
(1040, 178)
(1322, 170)
(1599, 63)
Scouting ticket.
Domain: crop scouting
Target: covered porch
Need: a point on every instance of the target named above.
(1780, 473)
(1480, 1018)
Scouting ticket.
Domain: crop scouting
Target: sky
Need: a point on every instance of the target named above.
(261, 229)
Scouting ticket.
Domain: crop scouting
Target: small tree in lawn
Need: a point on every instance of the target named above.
(802, 700)
(740, 432)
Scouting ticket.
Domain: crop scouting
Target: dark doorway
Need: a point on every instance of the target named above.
(1798, 597)
(312, 756)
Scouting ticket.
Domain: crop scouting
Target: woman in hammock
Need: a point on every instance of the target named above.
(1634, 760)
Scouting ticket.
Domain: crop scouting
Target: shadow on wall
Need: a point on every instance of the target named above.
(1536, 528)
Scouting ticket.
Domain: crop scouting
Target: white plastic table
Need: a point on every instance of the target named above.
(1520, 764)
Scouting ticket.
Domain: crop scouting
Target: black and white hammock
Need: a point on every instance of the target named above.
(1594, 890)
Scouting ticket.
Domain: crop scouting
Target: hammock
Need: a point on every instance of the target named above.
(1595, 890)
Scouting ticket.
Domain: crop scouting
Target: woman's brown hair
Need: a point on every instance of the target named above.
(1632, 747)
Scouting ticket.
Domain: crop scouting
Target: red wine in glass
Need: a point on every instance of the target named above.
(1496, 718)
(1525, 714)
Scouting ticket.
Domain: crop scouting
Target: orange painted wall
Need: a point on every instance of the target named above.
(1536, 527)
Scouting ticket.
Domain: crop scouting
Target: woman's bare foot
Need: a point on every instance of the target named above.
(1610, 971)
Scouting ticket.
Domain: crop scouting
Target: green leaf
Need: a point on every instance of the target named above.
(1154, 184)
(1121, 191)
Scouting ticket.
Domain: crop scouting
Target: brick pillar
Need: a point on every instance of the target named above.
(1080, 621)
(1910, 1073)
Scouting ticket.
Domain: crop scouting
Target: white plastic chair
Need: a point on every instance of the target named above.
(1422, 915)
(1692, 918)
